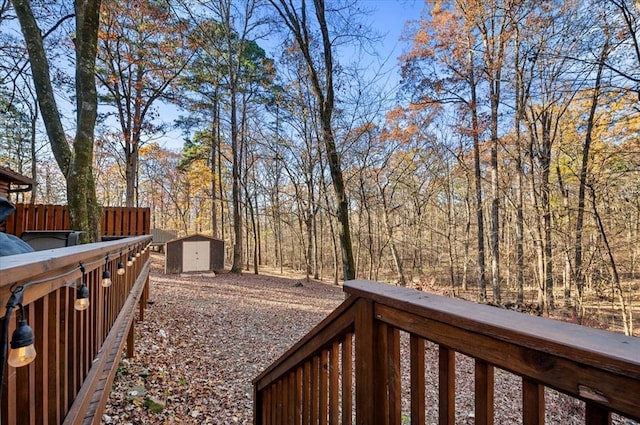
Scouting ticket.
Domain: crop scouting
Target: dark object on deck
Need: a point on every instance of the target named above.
(41, 240)
(10, 244)
(194, 253)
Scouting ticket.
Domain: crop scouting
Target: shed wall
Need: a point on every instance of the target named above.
(174, 251)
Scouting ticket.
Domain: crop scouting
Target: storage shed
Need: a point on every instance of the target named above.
(195, 253)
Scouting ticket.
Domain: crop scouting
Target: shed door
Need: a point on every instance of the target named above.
(195, 256)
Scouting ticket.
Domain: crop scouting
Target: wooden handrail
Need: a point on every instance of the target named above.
(78, 351)
(601, 368)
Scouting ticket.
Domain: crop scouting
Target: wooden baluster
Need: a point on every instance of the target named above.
(417, 347)
(334, 384)
(315, 390)
(279, 405)
(532, 403)
(42, 343)
(273, 388)
(284, 397)
(66, 321)
(393, 376)
(54, 381)
(347, 380)
(298, 396)
(484, 393)
(596, 415)
(447, 387)
(306, 393)
(324, 387)
(263, 401)
(292, 390)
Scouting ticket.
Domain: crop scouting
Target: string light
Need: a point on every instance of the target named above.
(106, 274)
(121, 270)
(22, 349)
(82, 295)
(129, 260)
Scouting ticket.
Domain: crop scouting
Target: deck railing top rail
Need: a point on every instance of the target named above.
(41, 265)
(603, 349)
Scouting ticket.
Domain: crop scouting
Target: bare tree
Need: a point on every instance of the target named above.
(322, 77)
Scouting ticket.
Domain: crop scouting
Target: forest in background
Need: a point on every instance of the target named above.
(506, 163)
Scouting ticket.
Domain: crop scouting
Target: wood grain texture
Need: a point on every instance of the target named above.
(418, 382)
(532, 402)
(484, 382)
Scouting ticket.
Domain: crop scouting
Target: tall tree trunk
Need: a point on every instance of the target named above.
(323, 90)
(495, 190)
(76, 166)
(475, 128)
(625, 312)
(584, 175)
(213, 143)
(397, 261)
(545, 199)
(34, 159)
(521, 94)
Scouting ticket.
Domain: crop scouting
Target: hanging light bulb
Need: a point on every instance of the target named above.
(138, 254)
(106, 274)
(129, 260)
(82, 298)
(106, 278)
(22, 350)
(120, 268)
(82, 295)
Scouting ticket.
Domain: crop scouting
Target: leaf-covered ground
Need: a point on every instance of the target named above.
(205, 338)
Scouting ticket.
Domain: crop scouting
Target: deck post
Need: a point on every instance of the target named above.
(371, 373)
(131, 336)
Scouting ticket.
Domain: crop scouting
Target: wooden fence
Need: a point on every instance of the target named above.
(77, 351)
(116, 221)
(347, 370)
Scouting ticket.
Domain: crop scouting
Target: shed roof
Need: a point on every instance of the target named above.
(195, 235)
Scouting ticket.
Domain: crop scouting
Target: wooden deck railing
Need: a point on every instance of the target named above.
(116, 221)
(348, 368)
(77, 351)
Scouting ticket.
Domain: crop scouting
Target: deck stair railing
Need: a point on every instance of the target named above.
(348, 369)
(77, 351)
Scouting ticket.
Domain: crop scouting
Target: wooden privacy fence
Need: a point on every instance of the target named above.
(347, 370)
(77, 351)
(116, 221)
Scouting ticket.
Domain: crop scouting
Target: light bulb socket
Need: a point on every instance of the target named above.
(22, 336)
(83, 292)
